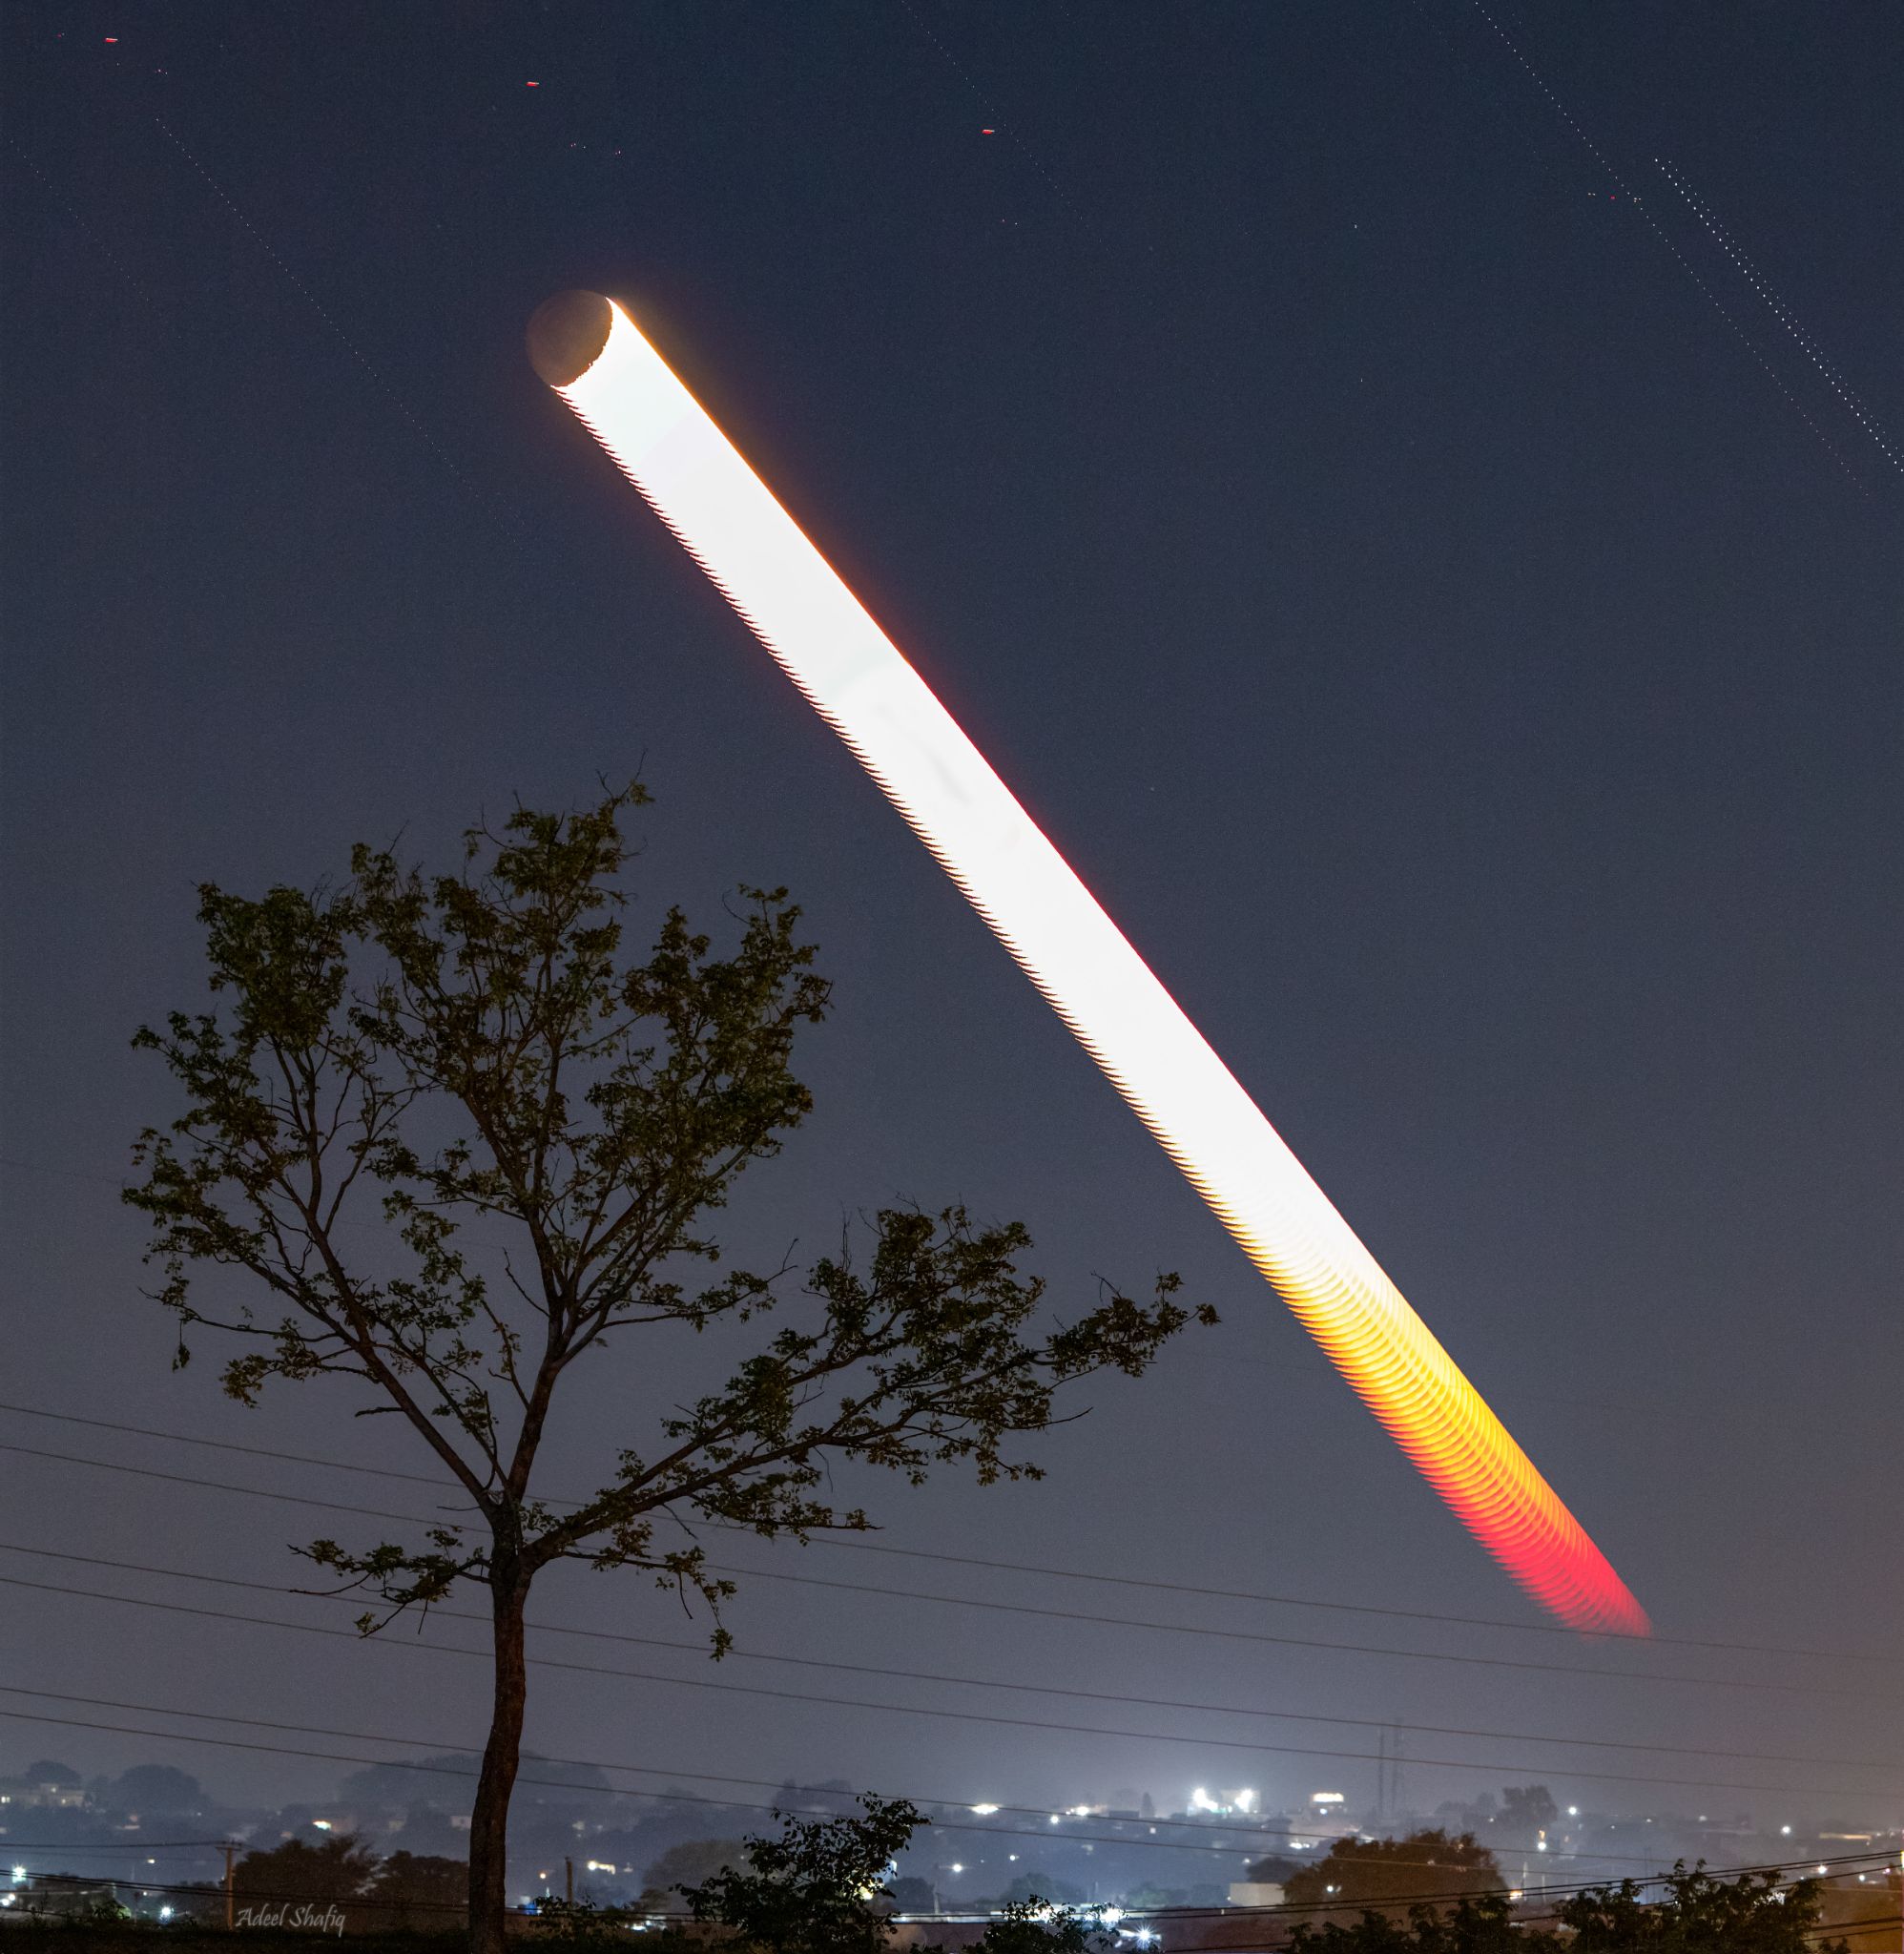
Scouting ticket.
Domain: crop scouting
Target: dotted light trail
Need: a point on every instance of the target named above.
(820, 636)
(1755, 279)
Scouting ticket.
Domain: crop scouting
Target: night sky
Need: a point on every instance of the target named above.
(1446, 609)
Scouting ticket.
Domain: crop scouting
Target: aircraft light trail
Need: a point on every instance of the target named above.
(594, 355)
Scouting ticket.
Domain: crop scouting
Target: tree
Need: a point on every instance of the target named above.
(421, 1890)
(1425, 1865)
(690, 1863)
(475, 1047)
(1273, 1871)
(1035, 1926)
(911, 1894)
(334, 1870)
(1481, 1923)
(156, 1787)
(1526, 1809)
(817, 1889)
(1037, 1889)
(1699, 1915)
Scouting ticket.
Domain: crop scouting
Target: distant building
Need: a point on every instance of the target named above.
(30, 1794)
(61, 1895)
(1256, 1893)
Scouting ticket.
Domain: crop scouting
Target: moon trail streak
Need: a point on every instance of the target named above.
(821, 636)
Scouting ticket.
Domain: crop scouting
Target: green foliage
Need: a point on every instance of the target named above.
(1036, 1926)
(1423, 1865)
(419, 1889)
(1481, 1923)
(1039, 1888)
(820, 1888)
(1698, 1915)
(338, 1868)
(689, 1864)
(1526, 1809)
(156, 1787)
(479, 1047)
(583, 1923)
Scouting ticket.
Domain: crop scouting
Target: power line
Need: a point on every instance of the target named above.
(648, 1770)
(700, 1648)
(1259, 1842)
(146, 1431)
(1252, 1635)
(1004, 1567)
(1302, 1641)
(14, 1845)
(257, 1492)
(962, 1716)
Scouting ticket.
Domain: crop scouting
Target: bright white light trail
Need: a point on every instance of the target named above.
(596, 359)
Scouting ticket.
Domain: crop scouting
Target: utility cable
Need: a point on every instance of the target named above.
(961, 1716)
(1251, 1636)
(700, 1647)
(1005, 1567)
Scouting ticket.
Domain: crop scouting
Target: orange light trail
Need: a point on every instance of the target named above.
(852, 674)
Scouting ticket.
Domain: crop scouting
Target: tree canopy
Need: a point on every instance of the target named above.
(1696, 1913)
(816, 1889)
(449, 1057)
(338, 1867)
(1423, 1865)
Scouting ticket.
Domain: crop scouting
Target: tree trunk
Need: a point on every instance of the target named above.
(489, 1820)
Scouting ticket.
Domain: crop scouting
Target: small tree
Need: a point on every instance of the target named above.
(476, 1047)
(1526, 1809)
(1483, 1925)
(817, 1889)
(156, 1787)
(334, 1870)
(1696, 1914)
(1756, 1914)
(421, 1890)
(687, 1864)
(1358, 1872)
(1036, 1926)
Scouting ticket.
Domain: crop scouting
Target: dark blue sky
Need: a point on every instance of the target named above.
(1445, 613)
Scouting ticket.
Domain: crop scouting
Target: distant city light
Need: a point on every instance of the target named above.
(597, 360)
